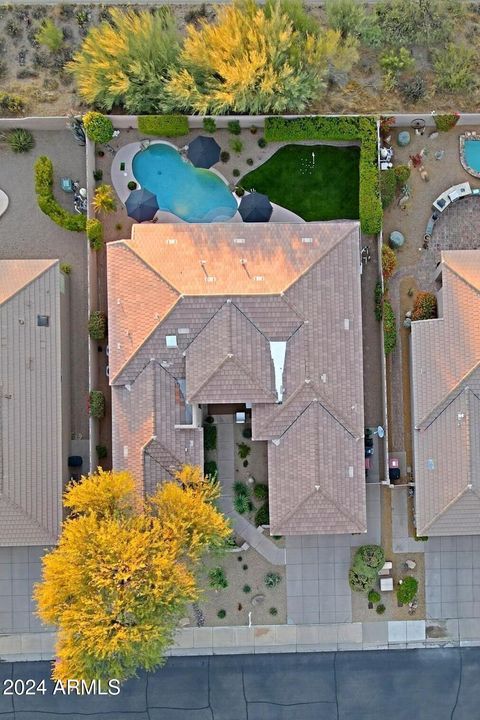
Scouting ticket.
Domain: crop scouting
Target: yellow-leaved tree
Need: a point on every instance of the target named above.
(257, 59)
(124, 570)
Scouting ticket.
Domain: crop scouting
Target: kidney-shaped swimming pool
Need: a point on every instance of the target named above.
(193, 194)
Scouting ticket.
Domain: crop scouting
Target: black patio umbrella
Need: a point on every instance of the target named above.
(203, 152)
(255, 208)
(141, 205)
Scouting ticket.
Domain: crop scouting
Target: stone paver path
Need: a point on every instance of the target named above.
(226, 473)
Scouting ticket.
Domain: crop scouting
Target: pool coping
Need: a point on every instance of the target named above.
(463, 162)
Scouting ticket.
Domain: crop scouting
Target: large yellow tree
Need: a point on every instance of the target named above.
(124, 570)
(257, 59)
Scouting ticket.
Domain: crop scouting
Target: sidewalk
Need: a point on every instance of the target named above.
(388, 635)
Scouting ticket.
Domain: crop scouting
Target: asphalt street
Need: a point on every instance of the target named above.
(435, 684)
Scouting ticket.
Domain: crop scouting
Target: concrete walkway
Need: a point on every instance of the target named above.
(401, 541)
(226, 473)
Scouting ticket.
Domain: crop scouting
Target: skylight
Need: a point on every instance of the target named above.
(277, 352)
(171, 341)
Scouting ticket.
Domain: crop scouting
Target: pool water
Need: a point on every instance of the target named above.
(471, 149)
(193, 194)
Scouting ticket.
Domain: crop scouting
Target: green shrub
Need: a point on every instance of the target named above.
(389, 262)
(242, 504)
(388, 187)
(341, 128)
(421, 538)
(236, 172)
(260, 491)
(369, 559)
(165, 125)
(13, 104)
(262, 516)
(358, 581)
(98, 127)
(102, 451)
(96, 405)
(224, 156)
(378, 301)
(210, 437)
(389, 328)
(446, 122)
(221, 614)
(244, 450)
(374, 596)
(234, 127)
(455, 68)
(209, 420)
(241, 488)
(97, 325)
(65, 268)
(407, 590)
(43, 170)
(97, 175)
(397, 60)
(273, 611)
(132, 185)
(95, 233)
(209, 124)
(261, 142)
(424, 306)
(50, 35)
(236, 145)
(402, 173)
(272, 579)
(20, 140)
(247, 589)
(218, 579)
(210, 469)
(413, 89)
(380, 609)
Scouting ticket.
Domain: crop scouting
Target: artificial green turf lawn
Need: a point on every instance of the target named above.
(326, 190)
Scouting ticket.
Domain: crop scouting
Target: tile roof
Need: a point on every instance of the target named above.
(238, 289)
(32, 456)
(446, 403)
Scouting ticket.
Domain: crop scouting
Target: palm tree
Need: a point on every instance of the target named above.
(104, 200)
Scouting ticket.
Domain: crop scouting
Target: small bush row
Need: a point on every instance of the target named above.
(96, 405)
(95, 233)
(210, 437)
(389, 328)
(97, 325)
(166, 125)
(43, 169)
(341, 128)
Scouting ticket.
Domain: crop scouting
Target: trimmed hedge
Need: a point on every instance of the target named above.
(166, 125)
(388, 187)
(389, 328)
(210, 437)
(341, 128)
(369, 559)
(210, 470)
(262, 516)
(43, 169)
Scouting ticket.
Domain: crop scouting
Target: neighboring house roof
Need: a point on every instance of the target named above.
(446, 403)
(267, 314)
(31, 411)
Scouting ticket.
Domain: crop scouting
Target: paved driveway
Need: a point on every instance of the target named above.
(398, 685)
(452, 577)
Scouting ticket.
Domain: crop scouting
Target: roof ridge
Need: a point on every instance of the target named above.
(327, 497)
(351, 226)
(33, 521)
(449, 398)
(447, 507)
(32, 279)
(461, 277)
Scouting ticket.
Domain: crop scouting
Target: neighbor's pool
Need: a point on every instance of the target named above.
(471, 152)
(191, 193)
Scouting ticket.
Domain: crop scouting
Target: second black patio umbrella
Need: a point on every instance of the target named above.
(141, 205)
(203, 152)
(255, 208)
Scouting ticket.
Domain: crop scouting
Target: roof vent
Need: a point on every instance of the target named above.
(460, 417)
(307, 240)
(128, 387)
(276, 442)
(171, 341)
(346, 324)
(430, 464)
(258, 278)
(350, 471)
(277, 353)
(183, 331)
(317, 487)
(323, 378)
(210, 278)
(21, 321)
(125, 451)
(239, 241)
(171, 241)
